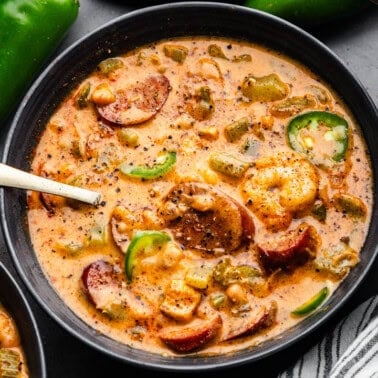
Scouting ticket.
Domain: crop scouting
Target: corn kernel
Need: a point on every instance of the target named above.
(103, 95)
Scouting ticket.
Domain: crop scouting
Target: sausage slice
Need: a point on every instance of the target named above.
(139, 103)
(186, 339)
(244, 326)
(204, 218)
(102, 285)
(293, 248)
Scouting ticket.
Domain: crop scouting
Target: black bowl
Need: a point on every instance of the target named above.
(14, 301)
(123, 34)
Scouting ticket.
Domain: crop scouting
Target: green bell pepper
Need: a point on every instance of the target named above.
(142, 241)
(30, 30)
(312, 304)
(309, 13)
(168, 159)
(303, 135)
(227, 164)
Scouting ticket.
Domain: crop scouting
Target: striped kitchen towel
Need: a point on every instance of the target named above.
(350, 351)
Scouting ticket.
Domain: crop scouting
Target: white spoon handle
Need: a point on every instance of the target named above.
(16, 178)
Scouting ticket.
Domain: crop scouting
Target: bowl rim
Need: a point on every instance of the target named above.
(30, 319)
(170, 365)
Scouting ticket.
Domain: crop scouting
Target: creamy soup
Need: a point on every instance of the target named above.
(12, 358)
(236, 196)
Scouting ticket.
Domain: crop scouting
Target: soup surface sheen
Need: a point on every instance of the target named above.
(236, 188)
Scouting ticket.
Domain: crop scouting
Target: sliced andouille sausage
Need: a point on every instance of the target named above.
(185, 339)
(263, 317)
(202, 217)
(102, 285)
(97, 276)
(139, 103)
(293, 248)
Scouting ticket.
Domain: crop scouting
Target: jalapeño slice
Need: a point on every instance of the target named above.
(321, 135)
(140, 243)
(312, 304)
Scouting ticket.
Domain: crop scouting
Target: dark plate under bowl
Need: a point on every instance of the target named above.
(119, 36)
(15, 303)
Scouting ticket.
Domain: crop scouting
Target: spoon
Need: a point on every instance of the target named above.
(16, 178)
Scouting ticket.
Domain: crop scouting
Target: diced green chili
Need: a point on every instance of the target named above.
(98, 235)
(176, 52)
(242, 58)
(142, 242)
(312, 304)
(217, 299)
(205, 104)
(337, 260)
(204, 93)
(350, 205)
(291, 106)
(228, 164)
(302, 137)
(226, 274)
(265, 88)
(115, 310)
(110, 65)
(216, 51)
(164, 165)
(319, 211)
(237, 129)
(83, 95)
